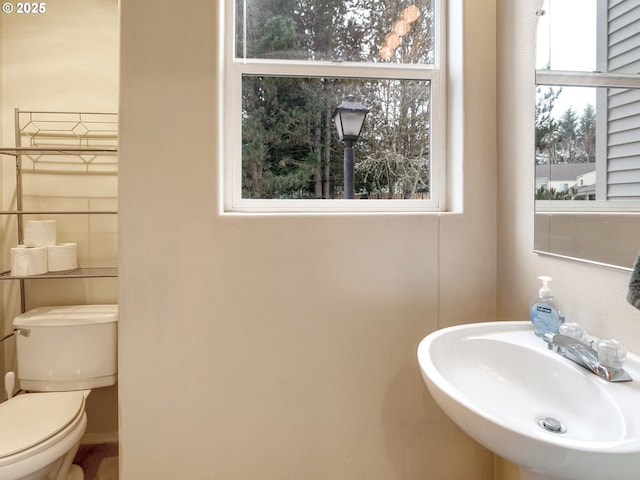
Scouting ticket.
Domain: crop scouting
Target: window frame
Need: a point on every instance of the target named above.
(562, 78)
(231, 122)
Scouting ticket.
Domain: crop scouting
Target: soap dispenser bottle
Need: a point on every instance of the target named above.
(545, 314)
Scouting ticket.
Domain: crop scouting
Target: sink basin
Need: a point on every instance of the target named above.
(555, 420)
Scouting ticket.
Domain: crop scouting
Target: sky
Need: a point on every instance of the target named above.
(567, 35)
(566, 39)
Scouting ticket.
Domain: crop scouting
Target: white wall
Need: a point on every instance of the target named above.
(591, 295)
(257, 347)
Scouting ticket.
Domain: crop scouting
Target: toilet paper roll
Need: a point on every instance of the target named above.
(27, 261)
(63, 256)
(40, 233)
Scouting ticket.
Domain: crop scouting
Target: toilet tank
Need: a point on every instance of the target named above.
(67, 347)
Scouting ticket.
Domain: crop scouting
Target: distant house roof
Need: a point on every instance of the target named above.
(556, 172)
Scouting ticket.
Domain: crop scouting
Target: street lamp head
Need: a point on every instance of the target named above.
(349, 117)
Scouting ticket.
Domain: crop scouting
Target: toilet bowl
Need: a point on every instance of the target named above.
(41, 433)
(62, 353)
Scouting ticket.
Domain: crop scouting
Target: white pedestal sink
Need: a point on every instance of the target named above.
(555, 420)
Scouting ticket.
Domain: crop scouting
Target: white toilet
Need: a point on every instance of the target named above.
(62, 353)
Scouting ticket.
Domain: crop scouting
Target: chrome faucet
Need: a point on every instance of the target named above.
(586, 356)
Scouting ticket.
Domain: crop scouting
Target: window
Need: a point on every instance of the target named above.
(290, 63)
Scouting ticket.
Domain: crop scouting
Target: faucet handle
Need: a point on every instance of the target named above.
(611, 353)
(548, 338)
(572, 330)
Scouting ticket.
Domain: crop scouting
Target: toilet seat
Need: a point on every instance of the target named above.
(31, 419)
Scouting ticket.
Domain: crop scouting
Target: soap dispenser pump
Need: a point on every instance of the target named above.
(544, 313)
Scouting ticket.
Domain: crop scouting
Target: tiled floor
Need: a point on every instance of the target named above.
(99, 462)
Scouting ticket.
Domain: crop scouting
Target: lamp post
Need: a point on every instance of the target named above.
(349, 117)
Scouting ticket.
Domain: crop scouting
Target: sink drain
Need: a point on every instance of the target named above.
(552, 425)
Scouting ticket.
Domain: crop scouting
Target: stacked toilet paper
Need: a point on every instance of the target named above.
(40, 233)
(62, 256)
(41, 253)
(27, 261)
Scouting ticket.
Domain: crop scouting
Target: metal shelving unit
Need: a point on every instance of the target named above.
(105, 272)
(61, 142)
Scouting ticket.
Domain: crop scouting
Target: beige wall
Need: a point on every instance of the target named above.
(257, 347)
(4, 353)
(65, 59)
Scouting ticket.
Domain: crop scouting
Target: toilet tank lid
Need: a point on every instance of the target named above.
(68, 315)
